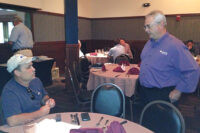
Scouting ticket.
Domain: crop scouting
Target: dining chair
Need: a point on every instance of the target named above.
(82, 96)
(108, 99)
(81, 75)
(132, 98)
(122, 57)
(162, 117)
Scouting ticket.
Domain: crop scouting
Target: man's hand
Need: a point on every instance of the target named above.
(45, 109)
(174, 95)
(50, 102)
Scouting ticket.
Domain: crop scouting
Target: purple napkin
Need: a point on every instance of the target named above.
(133, 71)
(118, 69)
(126, 63)
(115, 127)
(93, 54)
(87, 130)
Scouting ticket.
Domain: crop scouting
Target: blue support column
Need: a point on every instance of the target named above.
(71, 22)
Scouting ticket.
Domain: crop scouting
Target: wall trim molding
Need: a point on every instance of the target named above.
(18, 7)
(49, 42)
(112, 18)
(49, 13)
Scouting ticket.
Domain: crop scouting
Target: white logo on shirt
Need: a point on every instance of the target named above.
(163, 52)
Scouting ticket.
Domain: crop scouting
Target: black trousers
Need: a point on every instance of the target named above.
(144, 95)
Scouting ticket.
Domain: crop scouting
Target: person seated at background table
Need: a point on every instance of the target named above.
(167, 68)
(24, 98)
(127, 48)
(80, 52)
(115, 51)
(192, 49)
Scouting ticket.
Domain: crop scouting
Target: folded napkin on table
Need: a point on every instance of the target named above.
(134, 71)
(51, 126)
(87, 130)
(93, 54)
(115, 127)
(103, 68)
(125, 62)
(119, 69)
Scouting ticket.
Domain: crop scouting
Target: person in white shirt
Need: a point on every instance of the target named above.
(116, 51)
(80, 52)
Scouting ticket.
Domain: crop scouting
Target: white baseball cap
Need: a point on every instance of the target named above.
(17, 60)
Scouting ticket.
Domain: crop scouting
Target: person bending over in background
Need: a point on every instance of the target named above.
(115, 51)
(24, 98)
(127, 48)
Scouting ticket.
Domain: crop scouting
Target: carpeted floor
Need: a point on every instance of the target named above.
(65, 102)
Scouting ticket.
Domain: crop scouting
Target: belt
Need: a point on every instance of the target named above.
(15, 50)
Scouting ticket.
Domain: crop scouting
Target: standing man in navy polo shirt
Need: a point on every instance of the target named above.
(21, 38)
(167, 67)
(24, 98)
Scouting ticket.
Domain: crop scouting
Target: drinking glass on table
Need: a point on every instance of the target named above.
(102, 51)
(96, 51)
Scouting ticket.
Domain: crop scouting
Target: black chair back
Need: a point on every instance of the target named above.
(108, 99)
(162, 117)
(82, 97)
(122, 57)
(81, 71)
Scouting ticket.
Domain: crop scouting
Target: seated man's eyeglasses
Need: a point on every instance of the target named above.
(31, 93)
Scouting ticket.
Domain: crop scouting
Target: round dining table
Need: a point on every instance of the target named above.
(129, 126)
(97, 58)
(125, 81)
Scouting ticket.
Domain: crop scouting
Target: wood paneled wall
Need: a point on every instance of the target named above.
(91, 45)
(100, 33)
(54, 50)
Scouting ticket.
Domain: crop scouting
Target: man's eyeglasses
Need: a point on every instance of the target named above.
(31, 93)
(149, 26)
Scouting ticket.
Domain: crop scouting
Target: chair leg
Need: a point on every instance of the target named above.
(131, 108)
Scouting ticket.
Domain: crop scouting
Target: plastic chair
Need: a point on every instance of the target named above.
(122, 57)
(162, 117)
(108, 99)
(82, 96)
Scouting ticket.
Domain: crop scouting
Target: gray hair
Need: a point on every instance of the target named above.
(158, 17)
(17, 19)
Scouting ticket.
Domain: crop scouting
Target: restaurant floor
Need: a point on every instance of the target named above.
(65, 102)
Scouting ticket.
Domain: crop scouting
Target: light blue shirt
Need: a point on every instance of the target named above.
(21, 37)
(167, 62)
(116, 51)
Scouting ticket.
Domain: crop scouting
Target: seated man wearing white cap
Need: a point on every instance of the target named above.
(24, 98)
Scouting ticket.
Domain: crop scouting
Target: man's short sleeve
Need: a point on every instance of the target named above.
(14, 35)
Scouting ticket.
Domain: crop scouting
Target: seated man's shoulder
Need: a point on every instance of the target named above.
(35, 80)
(9, 85)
